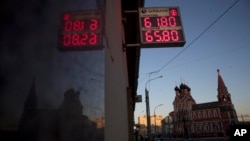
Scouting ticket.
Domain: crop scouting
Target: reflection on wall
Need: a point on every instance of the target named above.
(63, 124)
(29, 36)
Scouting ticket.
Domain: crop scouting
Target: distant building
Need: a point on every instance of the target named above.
(63, 124)
(155, 124)
(167, 126)
(205, 119)
(100, 122)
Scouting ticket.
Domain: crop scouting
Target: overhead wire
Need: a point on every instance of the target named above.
(198, 37)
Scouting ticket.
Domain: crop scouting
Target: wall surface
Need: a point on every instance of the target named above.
(116, 78)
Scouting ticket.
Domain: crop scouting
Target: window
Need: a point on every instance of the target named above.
(215, 126)
(194, 115)
(199, 115)
(215, 113)
(204, 114)
(209, 115)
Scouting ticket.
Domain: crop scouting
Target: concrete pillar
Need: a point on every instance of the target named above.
(116, 77)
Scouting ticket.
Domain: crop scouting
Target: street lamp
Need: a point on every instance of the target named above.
(147, 107)
(155, 114)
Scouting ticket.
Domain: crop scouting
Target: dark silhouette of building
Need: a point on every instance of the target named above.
(63, 124)
(205, 119)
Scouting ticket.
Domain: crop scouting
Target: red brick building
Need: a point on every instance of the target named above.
(205, 119)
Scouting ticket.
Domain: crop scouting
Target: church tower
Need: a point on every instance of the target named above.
(28, 121)
(228, 113)
(223, 96)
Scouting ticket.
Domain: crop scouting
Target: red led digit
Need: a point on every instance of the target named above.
(172, 21)
(76, 25)
(80, 30)
(147, 22)
(82, 25)
(165, 35)
(148, 36)
(157, 36)
(93, 39)
(164, 21)
(158, 21)
(93, 25)
(75, 39)
(68, 26)
(66, 40)
(84, 39)
(174, 35)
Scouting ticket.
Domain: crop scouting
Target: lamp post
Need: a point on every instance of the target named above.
(155, 114)
(147, 107)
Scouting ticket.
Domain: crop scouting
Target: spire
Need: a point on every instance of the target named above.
(223, 95)
(31, 100)
(221, 84)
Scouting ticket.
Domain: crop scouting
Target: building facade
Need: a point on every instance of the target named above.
(210, 119)
(167, 127)
(156, 127)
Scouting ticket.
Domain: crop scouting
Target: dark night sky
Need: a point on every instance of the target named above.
(29, 30)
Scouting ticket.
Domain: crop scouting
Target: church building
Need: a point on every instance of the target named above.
(67, 123)
(210, 119)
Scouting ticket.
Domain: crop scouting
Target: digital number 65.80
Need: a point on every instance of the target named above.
(161, 35)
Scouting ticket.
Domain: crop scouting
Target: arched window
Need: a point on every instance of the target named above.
(204, 114)
(194, 115)
(199, 115)
(215, 113)
(207, 127)
(204, 127)
(209, 115)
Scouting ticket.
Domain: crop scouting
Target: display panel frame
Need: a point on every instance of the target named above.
(85, 38)
(161, 27)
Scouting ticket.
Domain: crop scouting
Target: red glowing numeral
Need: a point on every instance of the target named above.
(83, 39)
(67, 26)
(74, 25)
(162, 21)
(147, 22)
(165, 35)
(174, 35)
(93, 39)
(93, 25)
(66, 40)
(75, 39)
(79, 39)
(172, 21)
(162, 36)
(149, 37)
(157, 36)
(78, 25)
